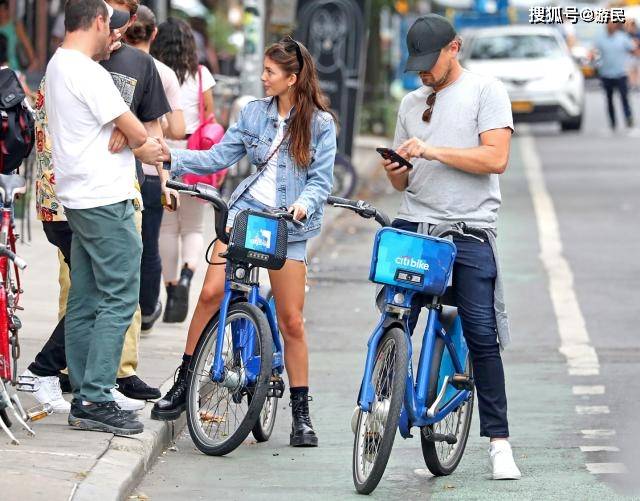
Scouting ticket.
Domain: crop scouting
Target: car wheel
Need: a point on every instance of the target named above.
(574, 123)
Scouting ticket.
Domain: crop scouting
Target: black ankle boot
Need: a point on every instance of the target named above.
(181, 294)
(302, 434)
(174, 402)
(169, 309)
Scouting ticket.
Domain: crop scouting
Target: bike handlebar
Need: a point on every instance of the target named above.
(210, 194)
(17, 260)
(362, 208)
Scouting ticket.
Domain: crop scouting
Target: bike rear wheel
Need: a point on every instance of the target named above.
(221, 415)
(376, 430)
(443, 458)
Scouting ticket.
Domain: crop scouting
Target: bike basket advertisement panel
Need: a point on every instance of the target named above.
(261, 234)
(412, 261)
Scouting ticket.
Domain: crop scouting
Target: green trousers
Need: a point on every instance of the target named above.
(105, 282)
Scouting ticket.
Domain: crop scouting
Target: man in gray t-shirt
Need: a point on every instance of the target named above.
(456, 130)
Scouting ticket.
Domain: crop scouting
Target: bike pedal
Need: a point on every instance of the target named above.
(276, 387)
(462, 382)
(440, 437)
(28, 384)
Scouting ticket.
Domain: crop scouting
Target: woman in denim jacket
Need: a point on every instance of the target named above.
(291, 137)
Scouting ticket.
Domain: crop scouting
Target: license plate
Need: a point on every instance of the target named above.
(522, 106)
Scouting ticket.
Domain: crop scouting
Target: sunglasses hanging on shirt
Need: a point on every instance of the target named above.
(426, 115)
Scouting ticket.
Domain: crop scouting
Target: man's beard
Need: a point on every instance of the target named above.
(442, 81)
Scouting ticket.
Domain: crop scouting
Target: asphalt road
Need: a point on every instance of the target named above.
(569, 244)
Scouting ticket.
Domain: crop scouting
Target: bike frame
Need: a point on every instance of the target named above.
(8, 296)
(415, 407)
(243, 338)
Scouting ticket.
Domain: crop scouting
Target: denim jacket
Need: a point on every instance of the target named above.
(252, 135)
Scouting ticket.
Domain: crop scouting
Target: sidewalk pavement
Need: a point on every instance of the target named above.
(61, 463)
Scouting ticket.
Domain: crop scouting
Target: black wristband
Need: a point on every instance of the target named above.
(166, 165)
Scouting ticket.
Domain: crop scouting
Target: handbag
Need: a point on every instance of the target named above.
(208, 133)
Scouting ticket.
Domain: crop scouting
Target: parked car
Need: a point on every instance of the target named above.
(534, 63)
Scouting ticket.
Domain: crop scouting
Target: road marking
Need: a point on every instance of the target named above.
(606, 468)
(597, 389)
(592, 409)
(598, 433)
(599, 448)
(575, 344)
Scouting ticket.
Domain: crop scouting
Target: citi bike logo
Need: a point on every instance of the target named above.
(418, 264)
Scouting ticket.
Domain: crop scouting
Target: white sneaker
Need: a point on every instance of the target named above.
(49, 392)
(502, 463)
(126, 403)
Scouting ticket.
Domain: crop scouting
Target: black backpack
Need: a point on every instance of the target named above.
(17, 126)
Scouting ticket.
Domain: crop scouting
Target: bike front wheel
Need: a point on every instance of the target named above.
(221, 415)
(264, 426)
(441, 457)
(376, 429)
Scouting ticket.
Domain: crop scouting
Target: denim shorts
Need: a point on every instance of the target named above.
(297, 251)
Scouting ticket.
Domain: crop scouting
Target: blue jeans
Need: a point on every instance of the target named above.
(474, 274)
(151, 267)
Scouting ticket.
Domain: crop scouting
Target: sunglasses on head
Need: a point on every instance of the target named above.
(296, 46)
(431, 100)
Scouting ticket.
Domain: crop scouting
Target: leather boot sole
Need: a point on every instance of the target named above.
(303, 441)
(168, 415)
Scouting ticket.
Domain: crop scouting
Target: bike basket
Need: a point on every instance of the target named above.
(413, 261)
(258, 239)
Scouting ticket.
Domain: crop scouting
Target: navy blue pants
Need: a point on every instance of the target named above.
(474, 274)
(610, 85)
(151, 267)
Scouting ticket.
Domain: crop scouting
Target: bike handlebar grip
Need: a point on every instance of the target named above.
(178, 186)
(342, 201)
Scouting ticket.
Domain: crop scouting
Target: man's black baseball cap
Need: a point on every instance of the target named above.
(117, 18)
(426, 37)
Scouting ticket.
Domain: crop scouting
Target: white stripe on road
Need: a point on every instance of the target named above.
(575, 344)
(598, 433)
(592, 409)
(599, 448)
(597, 389)
(605, 468)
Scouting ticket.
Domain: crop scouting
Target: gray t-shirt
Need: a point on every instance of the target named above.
(436, 192)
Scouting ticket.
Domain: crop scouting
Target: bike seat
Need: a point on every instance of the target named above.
(10, 186)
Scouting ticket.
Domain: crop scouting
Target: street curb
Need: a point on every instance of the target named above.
(119, 470)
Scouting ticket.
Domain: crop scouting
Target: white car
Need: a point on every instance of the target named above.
(534, 63)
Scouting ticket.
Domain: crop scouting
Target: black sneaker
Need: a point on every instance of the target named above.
(104, 416)
(136, 388)
(149, 320)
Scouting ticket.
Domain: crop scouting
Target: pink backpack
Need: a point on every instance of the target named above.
(208, 133)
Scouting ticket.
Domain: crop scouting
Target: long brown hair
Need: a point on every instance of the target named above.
(307, 98)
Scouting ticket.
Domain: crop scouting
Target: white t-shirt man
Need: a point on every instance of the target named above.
(82, 102)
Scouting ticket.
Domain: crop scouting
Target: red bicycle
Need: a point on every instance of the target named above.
(10, 291)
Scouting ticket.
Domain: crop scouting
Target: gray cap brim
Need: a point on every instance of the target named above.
(422, 63)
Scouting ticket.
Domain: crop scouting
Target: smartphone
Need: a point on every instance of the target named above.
(389, 154)
(172, 204)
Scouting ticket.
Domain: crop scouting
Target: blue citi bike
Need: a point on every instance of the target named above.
(235, 376)
(440, 400)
